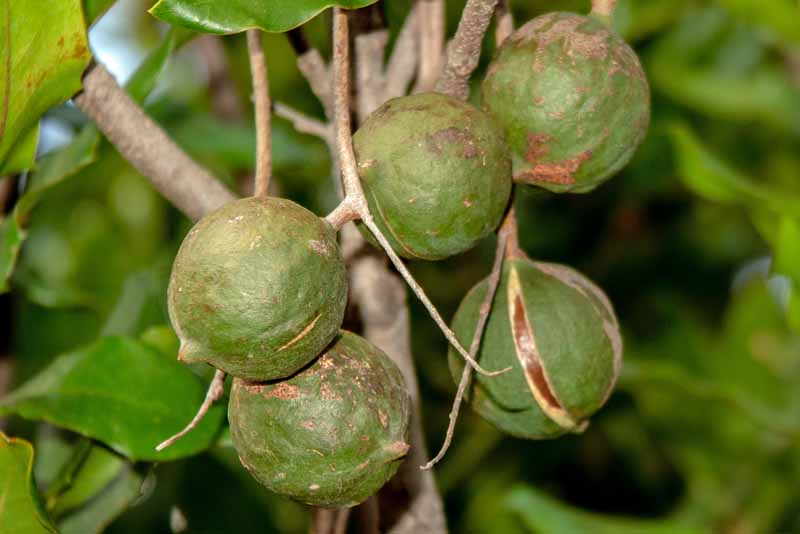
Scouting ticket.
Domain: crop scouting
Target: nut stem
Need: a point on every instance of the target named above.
(215, 391)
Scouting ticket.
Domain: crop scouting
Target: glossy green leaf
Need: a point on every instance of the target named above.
(22, 154)
(544, 514)
(236, 16)
(20, 509)
(123, 393)
(43, 53)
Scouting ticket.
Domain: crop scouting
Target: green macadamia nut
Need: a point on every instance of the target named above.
(332, 434)
(558, 333)
(573, 100)
(436, 173)
(258, 289)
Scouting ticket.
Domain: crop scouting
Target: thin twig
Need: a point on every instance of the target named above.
(317, 73)
(402, 64)
(215, 391)
(224, 96)
(431, 44)
(464, 51)
(304, 123)
(189, 186)
(477, 336)
(260, 75)
(370, 49)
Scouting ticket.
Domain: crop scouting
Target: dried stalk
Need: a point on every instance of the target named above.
(259, 73)
(215, 391)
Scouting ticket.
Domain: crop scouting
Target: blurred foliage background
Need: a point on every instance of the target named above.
(697, 243)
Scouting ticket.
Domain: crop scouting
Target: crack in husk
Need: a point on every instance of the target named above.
(529, 358)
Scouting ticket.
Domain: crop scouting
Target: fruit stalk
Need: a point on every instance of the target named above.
(486, 307)
(215, 391)
(261, 100)
(507, 248)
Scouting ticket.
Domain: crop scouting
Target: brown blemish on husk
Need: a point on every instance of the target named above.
(529, 358)
(302, 334)
(398, 449)
(320, 247)
(452, 135)
(283, 391)
(538, 146)
(561, 172)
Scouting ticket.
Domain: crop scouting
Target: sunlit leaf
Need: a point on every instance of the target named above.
(238, 15)
(20, 509)
(43, 53)
(123, 393)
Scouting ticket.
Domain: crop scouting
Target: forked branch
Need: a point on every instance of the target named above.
(354, 194)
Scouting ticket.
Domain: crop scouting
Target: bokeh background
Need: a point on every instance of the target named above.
(697, 242)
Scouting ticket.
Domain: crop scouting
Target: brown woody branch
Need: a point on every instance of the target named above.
(189, 186)
(464, 51)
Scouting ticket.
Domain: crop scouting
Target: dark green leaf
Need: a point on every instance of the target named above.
(20, 509)
(123, 393)
(43, 53)
(542, 513)
(236, 16)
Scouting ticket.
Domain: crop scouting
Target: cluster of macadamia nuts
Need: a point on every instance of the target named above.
(259, 287)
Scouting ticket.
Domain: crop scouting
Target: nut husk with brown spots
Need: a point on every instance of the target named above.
(332, 434)
(573, 100)
(258, 288)
(558, 333)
